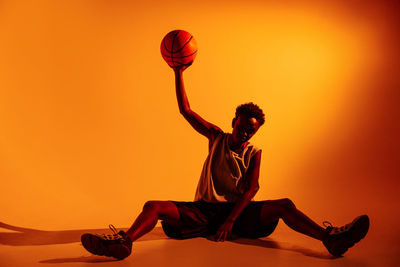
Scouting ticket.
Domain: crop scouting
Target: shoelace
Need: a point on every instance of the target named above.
(112, 227)
(337, 230)
(114, 236)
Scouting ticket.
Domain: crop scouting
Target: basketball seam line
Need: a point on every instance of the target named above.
(183, 45)
(165, 46)
(172, 47)
(171, 56)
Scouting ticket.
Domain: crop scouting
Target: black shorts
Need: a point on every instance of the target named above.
(201, 219)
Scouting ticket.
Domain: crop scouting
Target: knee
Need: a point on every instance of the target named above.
(152, 205)
(286, 205)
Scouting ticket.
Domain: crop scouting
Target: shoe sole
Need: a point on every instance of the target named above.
(357, 232)
(119, 251)
(94, 245)
(360, 228)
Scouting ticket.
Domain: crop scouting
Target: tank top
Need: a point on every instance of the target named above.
(223, 176)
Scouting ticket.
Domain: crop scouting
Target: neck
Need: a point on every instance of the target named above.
(235, 145)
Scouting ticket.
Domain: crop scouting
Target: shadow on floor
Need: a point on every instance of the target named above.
(90, 259)
(34, 237)
(278, 245)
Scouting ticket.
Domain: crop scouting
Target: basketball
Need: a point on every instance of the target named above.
(178, 48)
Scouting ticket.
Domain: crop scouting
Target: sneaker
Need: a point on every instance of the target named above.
(339, 239)
(118, 245)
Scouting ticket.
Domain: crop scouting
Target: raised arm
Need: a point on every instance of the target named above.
(198, 123)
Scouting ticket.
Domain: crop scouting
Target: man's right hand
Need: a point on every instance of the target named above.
(182, 67)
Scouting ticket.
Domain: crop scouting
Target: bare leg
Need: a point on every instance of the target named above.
(294, 218)
(152, 212)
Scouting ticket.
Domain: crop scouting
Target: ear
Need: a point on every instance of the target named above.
(233, 122)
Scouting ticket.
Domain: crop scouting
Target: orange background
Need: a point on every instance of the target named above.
(90, 127)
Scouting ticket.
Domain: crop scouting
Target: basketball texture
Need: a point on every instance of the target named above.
(178, 48)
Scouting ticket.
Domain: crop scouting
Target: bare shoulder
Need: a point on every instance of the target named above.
(257, 157)
(214, 131)
(255, 160)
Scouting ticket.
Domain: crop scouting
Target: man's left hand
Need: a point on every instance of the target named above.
(224, 231)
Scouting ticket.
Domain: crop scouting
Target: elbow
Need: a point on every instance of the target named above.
(184, 111)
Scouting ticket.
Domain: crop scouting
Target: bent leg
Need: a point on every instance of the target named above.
(151, 213)
(285, 209)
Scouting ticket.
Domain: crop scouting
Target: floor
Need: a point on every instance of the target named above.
(30, 247)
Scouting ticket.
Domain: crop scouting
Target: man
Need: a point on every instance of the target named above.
(223, 203)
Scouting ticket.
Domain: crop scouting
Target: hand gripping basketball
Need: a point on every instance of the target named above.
(182, 67)
(179, 49)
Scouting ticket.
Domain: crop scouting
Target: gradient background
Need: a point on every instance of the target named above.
(90, 127)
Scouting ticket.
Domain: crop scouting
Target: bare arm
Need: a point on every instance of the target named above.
(198, 123)
(253, 174)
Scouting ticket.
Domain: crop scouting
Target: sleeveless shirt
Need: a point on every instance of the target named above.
(223, 176)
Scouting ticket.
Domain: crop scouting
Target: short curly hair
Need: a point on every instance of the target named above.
(251, 110)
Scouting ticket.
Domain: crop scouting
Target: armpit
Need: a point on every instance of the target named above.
(213, 135)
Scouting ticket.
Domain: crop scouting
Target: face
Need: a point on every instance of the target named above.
(244, 128)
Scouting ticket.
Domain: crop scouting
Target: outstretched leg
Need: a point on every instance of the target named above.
(119, 245)
(151, 213)
(285, 209)
(336, 239)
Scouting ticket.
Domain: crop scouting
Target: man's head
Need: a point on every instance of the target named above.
(248, 118)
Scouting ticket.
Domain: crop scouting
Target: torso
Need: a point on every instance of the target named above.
(223, 176)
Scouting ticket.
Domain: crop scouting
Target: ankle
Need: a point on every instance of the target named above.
(129, 237)
(326, 234)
